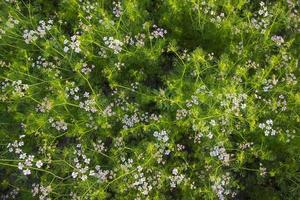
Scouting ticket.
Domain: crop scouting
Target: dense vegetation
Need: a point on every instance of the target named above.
(149, 99)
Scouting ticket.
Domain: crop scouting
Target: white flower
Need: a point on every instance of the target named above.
(23, 156)
(39, 164)
(213, 122)
(261, 125)
(210, 135)
(83, 177)
(74, 174)
(66, 49)
(26, 172)
(20, 166)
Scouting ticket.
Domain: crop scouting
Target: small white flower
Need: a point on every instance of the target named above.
(23, 156)
(26, 172)
(20, 166)
(66, 49)
(83, 177)
(39, 164)
(74, 174)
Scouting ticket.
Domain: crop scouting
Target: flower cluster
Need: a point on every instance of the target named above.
(262, 170)
(221, 154)
(162, 146)
(281, 103)
(141, 183)
(10, 195)
(210, 12)
(181, 113)
(74, 196)
(252, 64)
(41, 191)
(40, 32)
(267, 127)
(246, 145)
(158, 32)
(81, 164)
(134, 86)
(11, 1)
(197, 137)
(101, 175)
(102, 53)
(126, 164)
(99, 146)
(277, 39)
(72, 92)
(269, 84)
(87, 69)
(193, 101)
(2, 32)
(19, 88)
(43, 63)
(88, 105)
(290, 135)
(291, 79)
(91, 124)
(4, 64)
(117, 9)
(161, 136)
(261, 19)
(119, 65)
(27, 160)
(114, 44)
(4, 85)
(176, 178)
(58, 125)
(89, 7)
(119, 142)
(11, 22)
(145, 181)
(130, 121)
(180, 147)
(108, 111)
(221, 187)
(44, 106)
(137, 40)
(234, 103)
(74, 44)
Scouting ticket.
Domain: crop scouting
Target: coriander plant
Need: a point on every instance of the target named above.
(149, 99)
